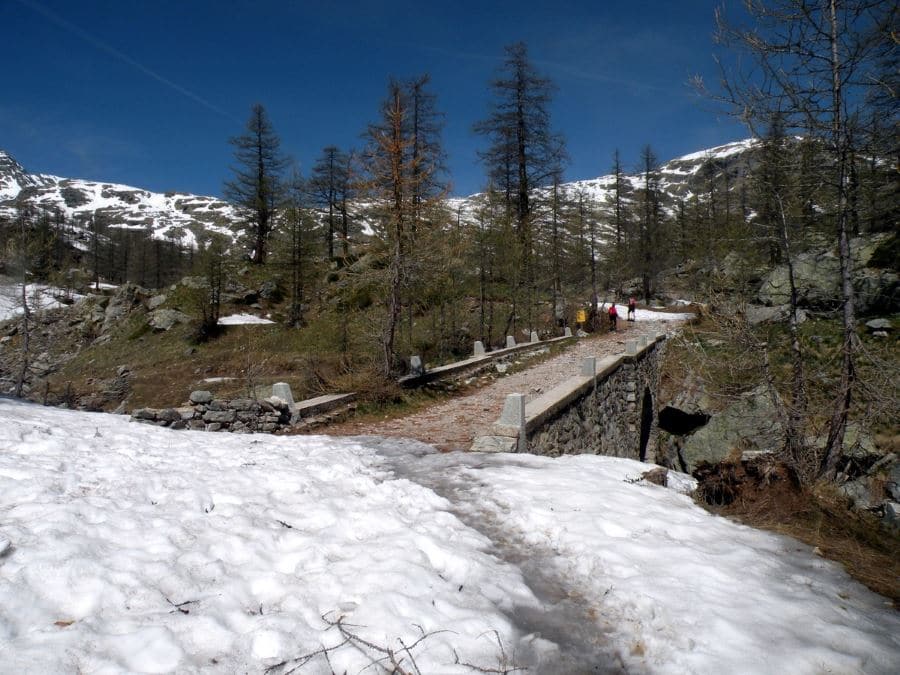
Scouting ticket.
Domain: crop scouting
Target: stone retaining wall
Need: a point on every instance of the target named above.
(605, 418)
(480, 362)
(240, 415)
(602, 410)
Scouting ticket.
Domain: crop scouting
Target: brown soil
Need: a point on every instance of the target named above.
(454, 423)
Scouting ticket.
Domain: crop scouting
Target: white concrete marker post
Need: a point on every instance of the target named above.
(589, 366)
(415, 365)
(510, 341)
(283, 391)
(513, 415)
(479, 348)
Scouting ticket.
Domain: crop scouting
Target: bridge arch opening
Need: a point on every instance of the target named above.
(646, 423)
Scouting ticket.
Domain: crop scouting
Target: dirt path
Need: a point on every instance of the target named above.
(453, 424)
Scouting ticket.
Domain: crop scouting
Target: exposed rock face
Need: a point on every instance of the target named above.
(165, 319)
(748, 426)
(126, 299)
(817, 277)
(757, 314)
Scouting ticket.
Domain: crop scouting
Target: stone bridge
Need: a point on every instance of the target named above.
(608, 409)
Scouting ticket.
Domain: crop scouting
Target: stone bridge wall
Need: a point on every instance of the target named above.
(609, 409)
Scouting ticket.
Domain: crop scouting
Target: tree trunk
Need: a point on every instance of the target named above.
(838, 425)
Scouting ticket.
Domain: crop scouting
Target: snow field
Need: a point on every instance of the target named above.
(114, 525)
(126, 547)
(681, 590)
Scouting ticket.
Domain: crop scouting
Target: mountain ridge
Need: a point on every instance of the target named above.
(187, 218)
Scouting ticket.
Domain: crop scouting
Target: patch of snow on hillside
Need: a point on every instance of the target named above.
(719, 152)
(242, 319)
(646, 314)
(9, 189)
(39, 297)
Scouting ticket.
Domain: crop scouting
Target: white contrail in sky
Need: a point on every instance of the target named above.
(87, 37)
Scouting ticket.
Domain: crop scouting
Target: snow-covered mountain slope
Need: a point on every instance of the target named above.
(174, 215)
(679, 179)
(185, 217)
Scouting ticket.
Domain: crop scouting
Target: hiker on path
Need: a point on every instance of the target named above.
(632, 306)
(613, 315)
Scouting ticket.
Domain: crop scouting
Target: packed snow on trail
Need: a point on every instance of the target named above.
(127, 547)
(647, 314)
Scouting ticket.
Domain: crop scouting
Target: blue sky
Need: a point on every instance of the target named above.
(148, 93)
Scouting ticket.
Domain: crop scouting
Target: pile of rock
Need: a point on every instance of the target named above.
(205, 413)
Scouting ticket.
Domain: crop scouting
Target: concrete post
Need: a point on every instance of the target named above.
(642, 341)
(534, 336)
(631, 347)
(568, 332)
(283, 391)
(589, 366)
(510, 341)
(479, 348)
(513, 415)
(415, 365)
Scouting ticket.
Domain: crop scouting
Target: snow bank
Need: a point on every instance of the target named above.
(133, 548)
(681, 590)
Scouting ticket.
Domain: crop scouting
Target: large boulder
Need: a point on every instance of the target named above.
(749, 425)
(879, 325)
(817, 278)
(757, 314)
(126, 298)
(200, 396)
(166, 319)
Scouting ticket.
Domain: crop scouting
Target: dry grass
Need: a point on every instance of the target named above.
(767, 497)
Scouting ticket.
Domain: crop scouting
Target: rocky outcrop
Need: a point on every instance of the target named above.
(757, 314)
(747, 426)
(817, 277)
(166, 319)
(869, 477)
(126, 299)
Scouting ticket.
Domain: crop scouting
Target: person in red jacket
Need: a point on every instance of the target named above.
(613, 315)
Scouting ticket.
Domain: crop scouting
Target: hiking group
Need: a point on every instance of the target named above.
(613, 313)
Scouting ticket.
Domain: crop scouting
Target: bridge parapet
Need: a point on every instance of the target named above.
(609, 409)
